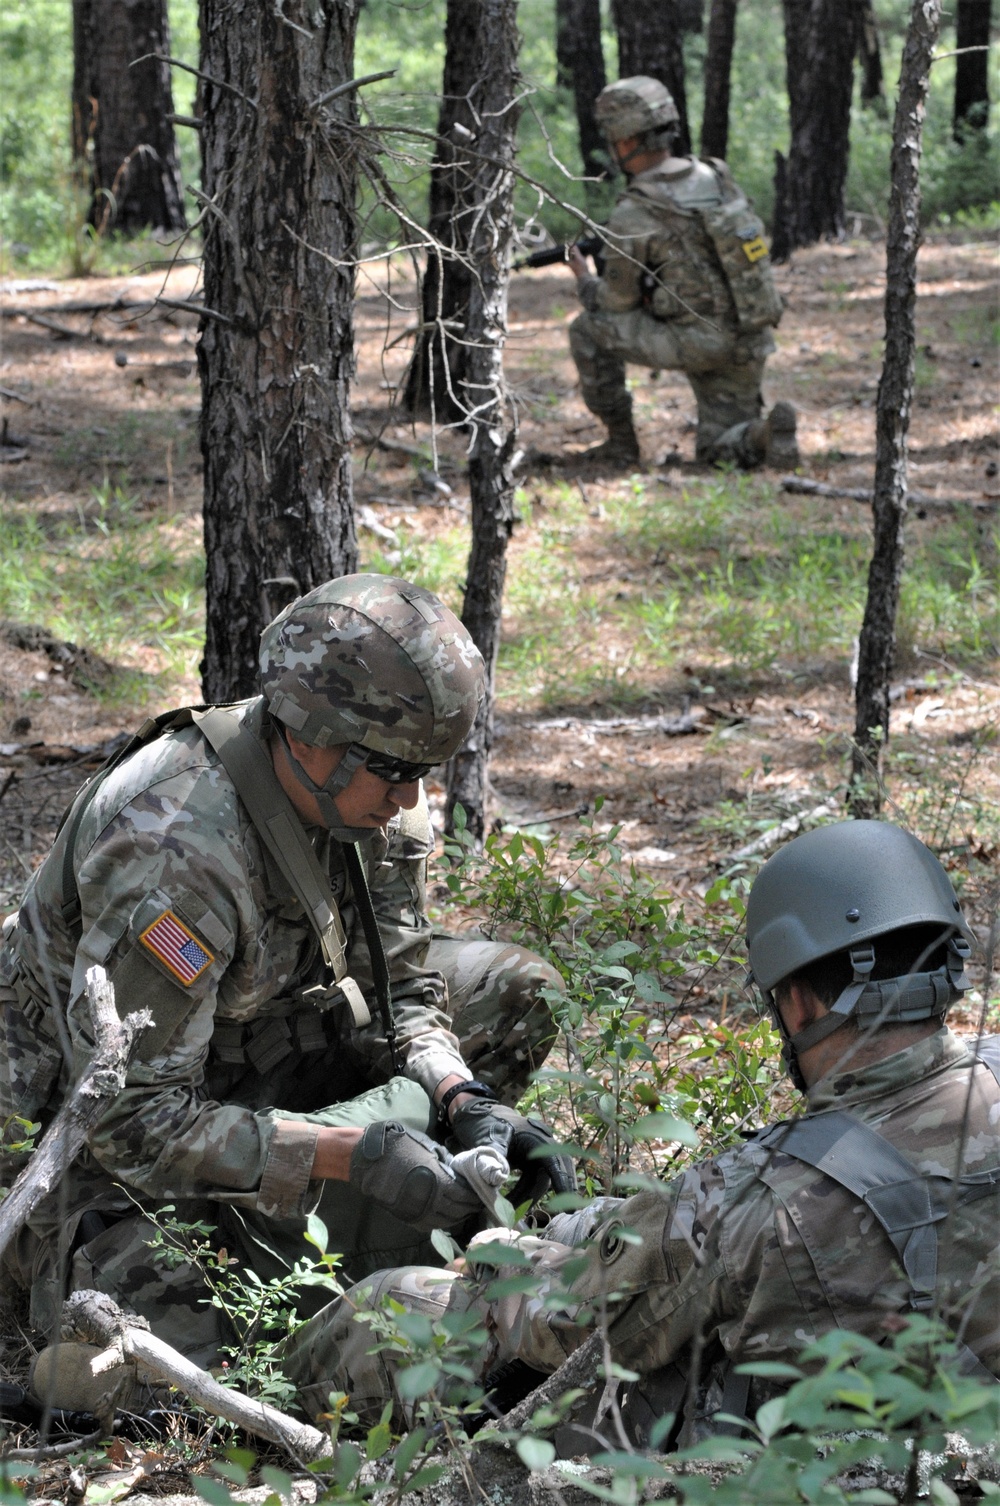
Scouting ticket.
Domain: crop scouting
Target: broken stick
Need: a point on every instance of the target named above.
(101, 1081)
(859, 494)
(98, 1320)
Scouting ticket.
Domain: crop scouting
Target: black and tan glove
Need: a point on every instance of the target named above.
(528, 1144)
(406, 1173)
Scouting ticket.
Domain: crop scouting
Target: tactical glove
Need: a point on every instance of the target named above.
(405, 1172)
(482, 1122)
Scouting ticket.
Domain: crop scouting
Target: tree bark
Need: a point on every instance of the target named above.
(490, 415)
(820, 43)
(878, 632)
(870, 54)
(649, 41)
(580, 67)
(122, 133)
(718, 64)
(438, 368)
(276, 353)
(102, 1080)
(972, 89)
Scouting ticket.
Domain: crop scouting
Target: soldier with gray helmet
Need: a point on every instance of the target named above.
(879, 1201)
(686, 286)
(255, 876)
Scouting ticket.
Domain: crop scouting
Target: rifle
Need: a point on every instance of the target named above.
(588, 245)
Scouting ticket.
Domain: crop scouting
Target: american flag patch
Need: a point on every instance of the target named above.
(171, 943)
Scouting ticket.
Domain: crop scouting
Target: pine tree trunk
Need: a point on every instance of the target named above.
(649, 41)
(972, 91)
(438, 368)
(580, 67)
(276, 353)
(718, 64)
(870, 54)
(491, 485)
(820, 43)
(123, 137)
(878, 631)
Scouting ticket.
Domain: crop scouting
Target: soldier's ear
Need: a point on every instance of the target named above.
(799, 1006)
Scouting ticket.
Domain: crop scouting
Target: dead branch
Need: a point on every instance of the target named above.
(98, 1320)
(579, 1370)
(859, 494)
(15, 397)
(64, 331)
(102, 1080)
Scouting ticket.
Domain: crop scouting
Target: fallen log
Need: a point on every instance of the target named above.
(95, 1318)
(101, 1081)
(859, 494)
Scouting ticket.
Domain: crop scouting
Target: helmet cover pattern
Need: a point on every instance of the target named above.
(633, 106)
(373, 660)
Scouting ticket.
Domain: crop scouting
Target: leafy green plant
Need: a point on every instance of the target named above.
(257, 1312)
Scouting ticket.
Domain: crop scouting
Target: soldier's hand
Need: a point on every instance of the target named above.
(577, 263)
(528, 1144)
(407, 1173)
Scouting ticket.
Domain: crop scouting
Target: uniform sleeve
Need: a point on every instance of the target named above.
(167, 909)
(397, 880)
(620, 285)
(657, 1294)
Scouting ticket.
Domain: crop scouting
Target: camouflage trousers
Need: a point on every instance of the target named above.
(95, 1239)
(725, 371)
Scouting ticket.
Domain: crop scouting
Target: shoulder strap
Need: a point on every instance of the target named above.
(906, 1203)
(988, 1052)
(277, 824)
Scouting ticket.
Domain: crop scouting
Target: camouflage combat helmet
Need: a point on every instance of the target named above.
(376, 663)
(633, 106)
(838, 890)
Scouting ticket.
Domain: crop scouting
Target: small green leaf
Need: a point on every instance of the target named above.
(417, 1380)
(536, 1453)
(445, 1245)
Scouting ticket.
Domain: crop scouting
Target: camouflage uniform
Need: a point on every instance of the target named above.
(666, 300)
(222, 1105)
(752, 1251)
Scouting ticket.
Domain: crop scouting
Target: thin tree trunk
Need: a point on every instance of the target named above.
(122, 133)
(870, 54)
(490, 417)
(438, 367)
(878, 631)
(276, 353)
(972, 90)
(580, 67)
(718, 64)
(649, 41)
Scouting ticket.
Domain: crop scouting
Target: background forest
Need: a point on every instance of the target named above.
(674, 689)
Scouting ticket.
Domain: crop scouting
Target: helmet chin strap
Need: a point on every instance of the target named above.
(325, 794)
(901, 1001)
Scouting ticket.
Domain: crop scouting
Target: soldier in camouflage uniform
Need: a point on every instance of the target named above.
(686, 286)
(272, 1048)
(856, 939)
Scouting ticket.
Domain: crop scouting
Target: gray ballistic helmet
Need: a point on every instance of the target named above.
(376, 663)
(838, 889)
(633, 106)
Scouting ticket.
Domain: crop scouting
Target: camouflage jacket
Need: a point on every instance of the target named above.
(684, 242)
(759, 1254)
(186, 910)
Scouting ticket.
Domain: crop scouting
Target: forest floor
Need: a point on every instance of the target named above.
(608, 637)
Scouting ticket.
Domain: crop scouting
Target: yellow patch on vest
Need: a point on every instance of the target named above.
(755, 249)
(176, 947)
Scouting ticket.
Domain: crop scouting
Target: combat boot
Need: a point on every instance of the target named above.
(781, 450)
(621, 447)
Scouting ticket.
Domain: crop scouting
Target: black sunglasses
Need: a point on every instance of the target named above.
(395, 770)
